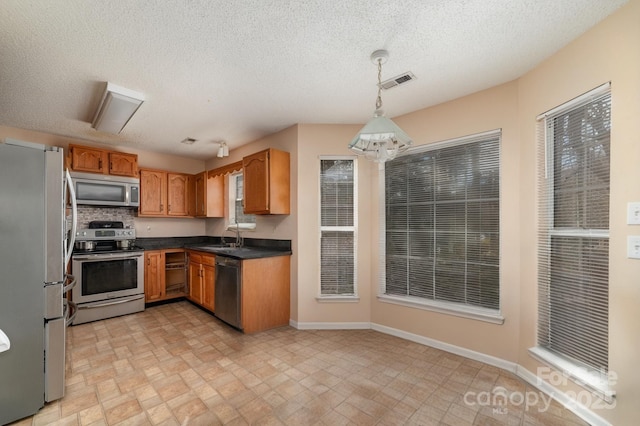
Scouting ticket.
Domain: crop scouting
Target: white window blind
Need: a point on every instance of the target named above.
(338, 219)
(442, 223)
(573, 247)
(236, 204)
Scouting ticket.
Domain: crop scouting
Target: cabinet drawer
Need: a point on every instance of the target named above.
(195, 257)
(208, 259)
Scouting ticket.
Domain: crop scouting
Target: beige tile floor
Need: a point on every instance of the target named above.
(175, 364)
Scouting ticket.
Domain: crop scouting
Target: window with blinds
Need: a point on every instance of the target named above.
(442, 223)
(573, 248)
(338, 219)
(236, 205)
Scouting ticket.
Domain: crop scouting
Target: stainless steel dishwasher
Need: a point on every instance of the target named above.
(228, 291)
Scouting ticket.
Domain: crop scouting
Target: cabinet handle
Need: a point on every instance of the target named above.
(148, 262)
(100, 163)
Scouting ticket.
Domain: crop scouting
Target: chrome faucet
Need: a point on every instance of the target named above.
(238, 237)
(239, 240)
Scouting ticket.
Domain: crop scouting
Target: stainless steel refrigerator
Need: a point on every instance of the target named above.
(36, 238)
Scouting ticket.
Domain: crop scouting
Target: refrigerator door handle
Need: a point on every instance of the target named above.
(71, 279)
(74, 220)
(72, 311)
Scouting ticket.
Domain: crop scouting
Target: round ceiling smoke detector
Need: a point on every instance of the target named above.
(379, 56)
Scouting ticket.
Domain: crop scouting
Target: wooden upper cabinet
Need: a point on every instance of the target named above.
(208, 189)
(267, 182)
(200, 194)
(96, 160)
(177, 194)
(122, 164)
(153, 192)
(87, 159)
(165, 193)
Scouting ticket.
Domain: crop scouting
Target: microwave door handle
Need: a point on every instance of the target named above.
(74, 220)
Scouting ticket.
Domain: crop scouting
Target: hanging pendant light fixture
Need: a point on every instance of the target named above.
(380, 139)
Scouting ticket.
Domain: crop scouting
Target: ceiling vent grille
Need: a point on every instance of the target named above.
(397, 80)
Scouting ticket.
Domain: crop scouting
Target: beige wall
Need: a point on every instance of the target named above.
(608, 52)
(315, 141)
(488, 110)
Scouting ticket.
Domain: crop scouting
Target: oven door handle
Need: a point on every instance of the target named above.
(110, 303)
(105, 257)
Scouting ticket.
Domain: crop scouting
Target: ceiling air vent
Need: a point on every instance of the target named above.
(397, 80)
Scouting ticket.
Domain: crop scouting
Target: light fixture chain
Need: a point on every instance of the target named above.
(379, 99)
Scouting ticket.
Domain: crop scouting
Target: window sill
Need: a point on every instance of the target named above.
(241, 226)
(592, 380)
(337, 299)
(479, 314)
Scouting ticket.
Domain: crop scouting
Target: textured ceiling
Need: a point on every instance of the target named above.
(238, 70)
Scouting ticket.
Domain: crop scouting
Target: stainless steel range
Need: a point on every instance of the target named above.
(109, 269)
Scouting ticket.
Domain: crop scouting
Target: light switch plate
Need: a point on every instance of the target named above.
(633, 246)
(633, 213)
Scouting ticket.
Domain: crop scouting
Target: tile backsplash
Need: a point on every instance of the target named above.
(88, 213)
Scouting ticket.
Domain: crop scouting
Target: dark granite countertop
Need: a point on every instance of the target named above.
(242, 253)
(253, 248)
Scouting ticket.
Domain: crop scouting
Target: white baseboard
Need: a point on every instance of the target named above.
(579, 410)
(467, 353)
(330, 325)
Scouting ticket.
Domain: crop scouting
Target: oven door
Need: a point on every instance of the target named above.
(105, 276)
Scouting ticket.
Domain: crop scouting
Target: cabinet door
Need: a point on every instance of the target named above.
(122, 164)
(195, 282)
(153, 189)
(208, 286)
(86, 159)
(256, 182)
(214, 197)
(200, 194)
(267, 182)
(191, 195)
(153, 276)
(177, 194)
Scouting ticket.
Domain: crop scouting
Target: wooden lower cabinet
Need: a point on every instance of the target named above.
(153, 277)
(265, 293)
(202, 274)
(165, 274)
(265, 289)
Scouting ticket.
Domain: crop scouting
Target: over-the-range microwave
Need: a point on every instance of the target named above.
(106, 190)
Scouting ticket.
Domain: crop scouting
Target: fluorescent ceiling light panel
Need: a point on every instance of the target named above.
(116, 108)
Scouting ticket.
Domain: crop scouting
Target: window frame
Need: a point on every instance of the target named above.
(345, 297)
(596, 381)
(449, 308)
(231, 205)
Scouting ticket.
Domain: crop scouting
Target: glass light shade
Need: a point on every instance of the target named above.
(380, 139)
